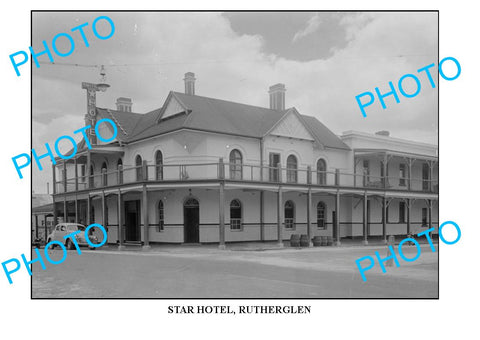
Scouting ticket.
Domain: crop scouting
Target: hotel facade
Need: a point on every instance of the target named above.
(205, 170)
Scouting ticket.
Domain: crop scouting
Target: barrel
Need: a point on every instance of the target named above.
(304, 241)
(294, 240)
(329, 241)
(317, 241)
(324, 240)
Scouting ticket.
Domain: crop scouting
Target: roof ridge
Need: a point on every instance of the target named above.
(232, 102)
(117, 122)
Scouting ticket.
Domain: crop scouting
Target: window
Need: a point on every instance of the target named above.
(321, 172)
(321, 216)
(425, 176)
(90, 177)
(104, 174)
(138, 166)
(424, 217)
(235, 215)
(274, 161)
(235, 164)
(403, 175)
(159, 165)
(120, 173)
(289, 215)
(82, 173)
(366, 171)
(401, 212)
(292, 169)
(160, 216)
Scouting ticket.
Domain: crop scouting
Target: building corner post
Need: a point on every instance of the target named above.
(146, 236)
(221, 216)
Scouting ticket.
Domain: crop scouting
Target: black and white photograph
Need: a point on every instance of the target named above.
(225, 155)
(238, 170)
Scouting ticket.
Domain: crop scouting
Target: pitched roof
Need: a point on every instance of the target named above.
(324, 134)
(213, 115)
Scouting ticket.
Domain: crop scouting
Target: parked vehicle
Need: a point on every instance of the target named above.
(63, 229)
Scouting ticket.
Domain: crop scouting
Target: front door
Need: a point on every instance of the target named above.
(191, 221)
(132, 220)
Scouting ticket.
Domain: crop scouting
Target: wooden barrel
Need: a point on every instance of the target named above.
(324, 240)
(329, 240)
(294, 240)
(304, 241)
(317, 241)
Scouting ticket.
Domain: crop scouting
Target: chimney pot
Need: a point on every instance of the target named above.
(189, 83)
(383, 133)
(277, 97)
(124, 104)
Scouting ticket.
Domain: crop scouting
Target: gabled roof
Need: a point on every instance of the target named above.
(212, 115)
(324, 134)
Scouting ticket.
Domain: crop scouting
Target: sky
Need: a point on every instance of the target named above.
(324, 59)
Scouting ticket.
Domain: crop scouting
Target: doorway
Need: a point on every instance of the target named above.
(132, 221)
(191, 221)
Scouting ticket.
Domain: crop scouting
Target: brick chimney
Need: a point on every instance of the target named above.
(189, 83)
(277, 97)
(124, 104)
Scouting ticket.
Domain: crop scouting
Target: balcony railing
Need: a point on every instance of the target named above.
(242, 173)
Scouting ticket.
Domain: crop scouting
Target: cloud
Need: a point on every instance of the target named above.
(313, 24)
(159, 48)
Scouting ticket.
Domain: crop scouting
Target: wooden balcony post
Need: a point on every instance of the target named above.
(76, 174)
(384, 219)
(87, 170)
(146, 236)
(365, 218)
(54, 179)
(64, 179)
(337, 177)
(279, 169)
(408, 203)
(76, 209)
(309, 217)
(430, 166)
(221, 214)
(120, 223)
(309, 174)
(410, 163)
(279, 217)
(65, 212)
(104, 211)
(337, 219)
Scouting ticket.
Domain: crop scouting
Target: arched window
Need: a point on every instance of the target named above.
(236, 164)
(160, 216)
(321, 216)
(292, 169)
(191, 203)
(321, 172)
(90, 177)
(138, 168)
(158, 165)
(120, 173)
(289, 215)
(235, 215)
(104, 174)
